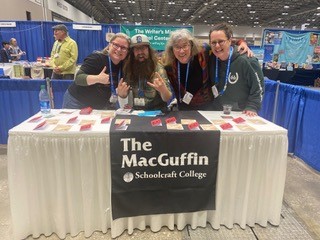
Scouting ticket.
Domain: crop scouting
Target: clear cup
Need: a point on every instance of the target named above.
(227, 108)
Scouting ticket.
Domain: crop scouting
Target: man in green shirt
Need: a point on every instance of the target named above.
(64, 54)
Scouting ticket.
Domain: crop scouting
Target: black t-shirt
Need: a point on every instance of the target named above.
(97, 95)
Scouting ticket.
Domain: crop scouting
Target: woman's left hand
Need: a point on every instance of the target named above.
(243, 48)
(250, 113)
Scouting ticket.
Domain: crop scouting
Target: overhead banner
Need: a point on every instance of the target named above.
(160, 171)
(158, 35)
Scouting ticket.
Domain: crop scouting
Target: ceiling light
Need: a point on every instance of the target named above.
(131, 1)
(171, 2)
(284, 13)
(248, 5)
(286, 7)
(252, 12)
(186, 10)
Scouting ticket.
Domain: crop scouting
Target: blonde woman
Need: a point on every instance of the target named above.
(97, 80)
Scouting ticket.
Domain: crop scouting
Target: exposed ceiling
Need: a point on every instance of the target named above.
(253, 13)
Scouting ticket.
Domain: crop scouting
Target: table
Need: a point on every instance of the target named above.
(298, 76)
(60, 181)
(24, 70)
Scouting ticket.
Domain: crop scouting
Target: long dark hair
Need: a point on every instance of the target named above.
(133, 71)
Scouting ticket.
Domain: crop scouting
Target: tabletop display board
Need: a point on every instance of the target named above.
(293, 48)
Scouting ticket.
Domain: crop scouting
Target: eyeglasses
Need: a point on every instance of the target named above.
(118, 47)
(220, 42)
(184, 48)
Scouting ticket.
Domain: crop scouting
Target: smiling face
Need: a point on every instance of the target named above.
(182, 51)
(220, 44)
(118, 50)
(141, 52)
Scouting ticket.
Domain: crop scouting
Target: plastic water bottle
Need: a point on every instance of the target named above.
(44, 100)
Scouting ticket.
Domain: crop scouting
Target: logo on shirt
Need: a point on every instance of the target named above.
(232, 79)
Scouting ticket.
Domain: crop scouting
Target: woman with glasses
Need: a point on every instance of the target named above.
(186, 62)
(96, 82)
(237, 80)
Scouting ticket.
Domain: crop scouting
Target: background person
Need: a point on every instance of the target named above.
(97, 79)
(5, 56)
(15, 50)
(64, 54)
(186, 63)
(145, 76)
(236, 81)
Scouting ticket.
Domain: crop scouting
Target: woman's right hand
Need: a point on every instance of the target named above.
(102, 77)
(123, 89)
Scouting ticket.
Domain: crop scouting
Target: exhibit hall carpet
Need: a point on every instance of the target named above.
(300, 218)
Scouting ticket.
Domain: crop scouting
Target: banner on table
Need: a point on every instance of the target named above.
(163, 172)
(158, 35)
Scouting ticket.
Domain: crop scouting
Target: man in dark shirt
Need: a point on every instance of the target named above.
(5, 56)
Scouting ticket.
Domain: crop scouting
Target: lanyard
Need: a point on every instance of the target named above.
(227, 72)
(58, 47)
(111, 77)
(179, 78)
(142, 84)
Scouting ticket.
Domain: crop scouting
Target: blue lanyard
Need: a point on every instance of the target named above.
(179, 78)
(111, 77)
(141, 86)
(227, 72)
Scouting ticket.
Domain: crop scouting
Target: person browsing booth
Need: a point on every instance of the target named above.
(64, 54)
(145, 77)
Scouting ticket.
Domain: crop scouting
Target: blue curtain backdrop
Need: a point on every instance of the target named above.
(268, 100)
(36, 38)
(307, 132)
(19, 100)
(288, 114)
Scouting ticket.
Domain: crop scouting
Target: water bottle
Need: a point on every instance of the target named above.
(44, 100)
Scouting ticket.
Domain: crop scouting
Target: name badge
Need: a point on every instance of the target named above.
(187, 98)
(215, 91)
(113, 98)
(139, 102)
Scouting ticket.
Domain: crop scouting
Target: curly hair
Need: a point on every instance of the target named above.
(176, 36)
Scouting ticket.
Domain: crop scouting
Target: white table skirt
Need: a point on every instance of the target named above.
(60, 183)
